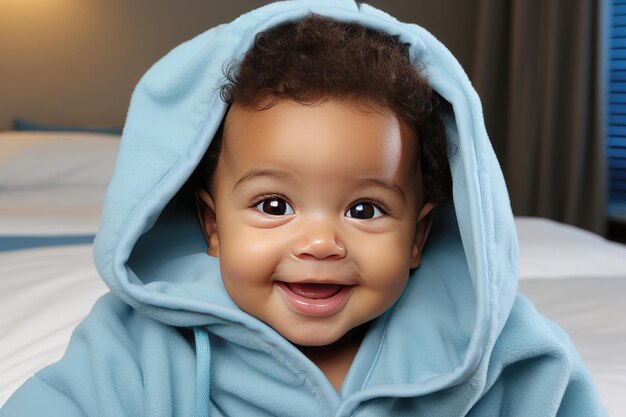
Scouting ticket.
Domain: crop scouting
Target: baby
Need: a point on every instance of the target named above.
(265, 239)
(316, 182)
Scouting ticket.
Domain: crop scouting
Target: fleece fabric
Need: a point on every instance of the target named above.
(168, 340)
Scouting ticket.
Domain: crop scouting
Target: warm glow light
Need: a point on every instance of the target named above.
(36, 12)
(28, 3)
(21, 8)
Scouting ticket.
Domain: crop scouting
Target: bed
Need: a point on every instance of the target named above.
(48, 283)
(52, 186)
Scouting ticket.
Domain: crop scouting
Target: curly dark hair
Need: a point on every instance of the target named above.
(317, 58)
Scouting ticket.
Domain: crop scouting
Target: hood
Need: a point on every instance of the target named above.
(151, 252)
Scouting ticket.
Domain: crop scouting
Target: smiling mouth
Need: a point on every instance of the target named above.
(315, 299)
(314, 291)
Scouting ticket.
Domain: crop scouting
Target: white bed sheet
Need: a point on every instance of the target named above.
(591, 311)
(45, 293)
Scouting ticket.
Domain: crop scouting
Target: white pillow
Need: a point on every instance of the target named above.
(34, 160)
(53, 183)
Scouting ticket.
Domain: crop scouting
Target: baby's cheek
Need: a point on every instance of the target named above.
(387, 260)
(246, 277)
(247, 260)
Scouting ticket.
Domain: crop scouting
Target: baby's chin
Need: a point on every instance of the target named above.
(309, 343)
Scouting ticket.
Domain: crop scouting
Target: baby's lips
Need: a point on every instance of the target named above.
(315, 299)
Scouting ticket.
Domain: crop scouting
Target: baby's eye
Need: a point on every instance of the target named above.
(275, 206)
(364, 211)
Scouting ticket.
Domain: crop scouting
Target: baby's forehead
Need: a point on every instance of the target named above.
(352, 112)
(334, 137)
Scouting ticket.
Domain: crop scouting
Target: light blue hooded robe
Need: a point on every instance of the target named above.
(168, 340)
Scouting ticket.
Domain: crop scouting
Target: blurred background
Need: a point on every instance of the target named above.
(541, 69)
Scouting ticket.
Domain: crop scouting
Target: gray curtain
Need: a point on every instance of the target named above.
(537, 67)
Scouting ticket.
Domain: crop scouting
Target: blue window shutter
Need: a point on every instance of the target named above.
(616, 130)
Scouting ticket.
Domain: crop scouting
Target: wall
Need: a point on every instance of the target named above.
(77, 61)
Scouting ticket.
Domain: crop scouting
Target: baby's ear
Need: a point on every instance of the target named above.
(424, 222)
(205, 210)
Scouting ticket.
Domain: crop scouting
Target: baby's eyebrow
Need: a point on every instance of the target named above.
(389, 185)
(258, 172)
(379, 182)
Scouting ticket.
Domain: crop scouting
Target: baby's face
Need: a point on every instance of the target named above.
(316, 215)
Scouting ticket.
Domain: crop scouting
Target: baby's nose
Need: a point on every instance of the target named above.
(319, 240)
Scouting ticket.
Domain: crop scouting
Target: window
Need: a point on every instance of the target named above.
(616, 129)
